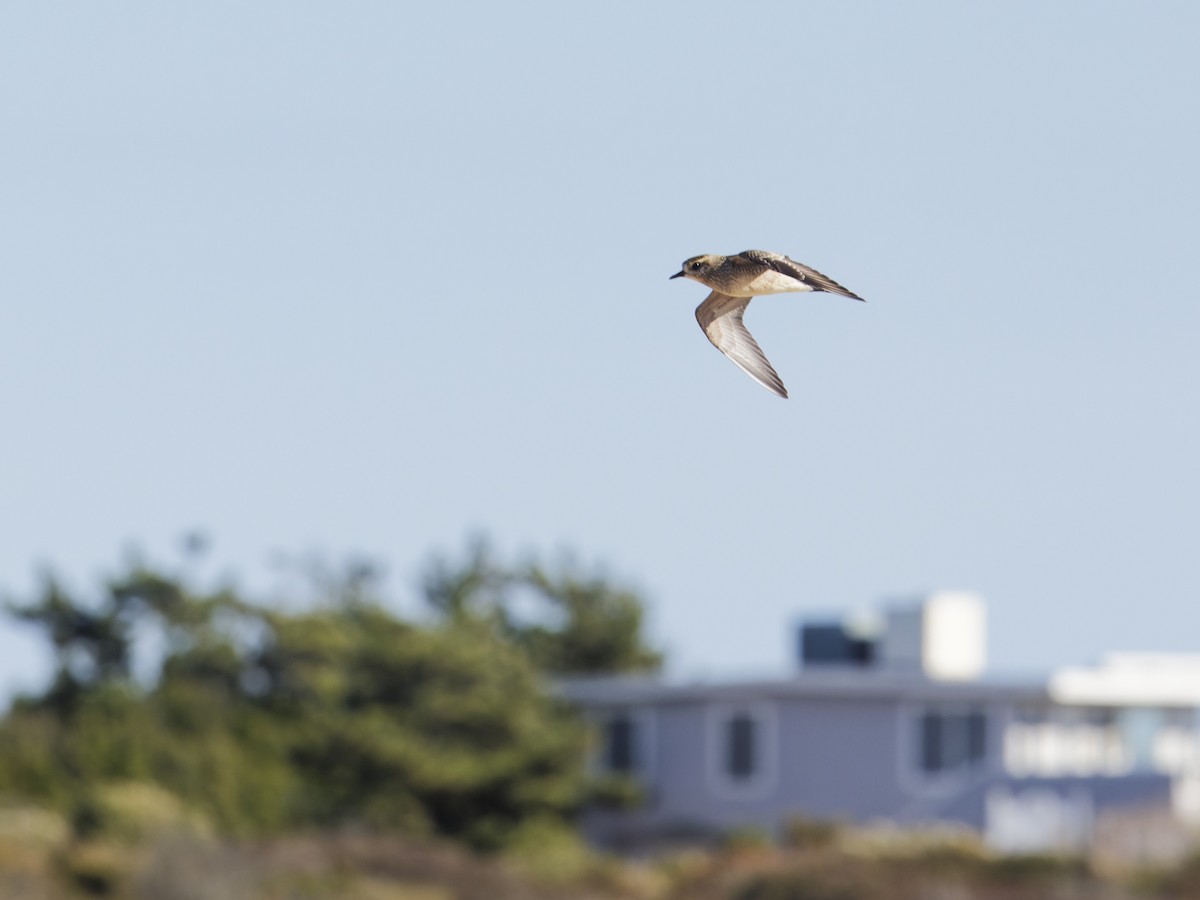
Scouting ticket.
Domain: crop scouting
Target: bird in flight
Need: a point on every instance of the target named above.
(735, 281)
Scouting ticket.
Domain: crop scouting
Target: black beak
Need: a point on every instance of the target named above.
(678, 274)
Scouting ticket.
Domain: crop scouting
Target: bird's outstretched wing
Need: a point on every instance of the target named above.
(785, 265)
(721, 318)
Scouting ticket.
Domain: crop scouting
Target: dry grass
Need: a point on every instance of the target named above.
(151, 850)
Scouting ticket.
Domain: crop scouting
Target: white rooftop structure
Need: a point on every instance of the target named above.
(1131, 679)
(944, 636)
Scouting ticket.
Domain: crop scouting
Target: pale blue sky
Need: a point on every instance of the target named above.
(370, 276)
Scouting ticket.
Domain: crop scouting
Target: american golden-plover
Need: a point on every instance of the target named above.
(735, 281)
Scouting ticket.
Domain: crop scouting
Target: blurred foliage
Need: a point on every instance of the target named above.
(267, 718)
(146, 846)
(551, 853)
(567, 620)
(1177, 882)
(804, 833)
(819, 883)
(746, 840)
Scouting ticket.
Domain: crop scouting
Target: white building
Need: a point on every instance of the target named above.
(896, 721)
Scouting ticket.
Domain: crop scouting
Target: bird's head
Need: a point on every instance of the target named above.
(698, 267)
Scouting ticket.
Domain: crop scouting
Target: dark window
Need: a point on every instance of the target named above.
(954, 741)
(950, 741)
(740, 746)
(931, 742)
(620, 756)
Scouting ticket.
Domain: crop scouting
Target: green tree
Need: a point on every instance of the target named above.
(441, 729)
(570, 621)
(597, 626)
(91, 645)
(326, 712)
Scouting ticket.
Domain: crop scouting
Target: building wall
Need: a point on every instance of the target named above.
(1007, 763)
(821, 758)
(842, 758)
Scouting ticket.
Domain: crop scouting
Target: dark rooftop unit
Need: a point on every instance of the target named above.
(832, 644)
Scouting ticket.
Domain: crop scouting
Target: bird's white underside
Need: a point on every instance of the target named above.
(771, 282)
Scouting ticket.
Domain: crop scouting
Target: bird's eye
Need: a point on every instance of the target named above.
(696, 267)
